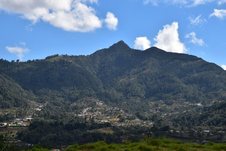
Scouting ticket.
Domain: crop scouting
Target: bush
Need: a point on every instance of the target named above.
(144, 148)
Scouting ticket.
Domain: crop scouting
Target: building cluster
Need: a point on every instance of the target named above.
(99, 112)
(18, 122)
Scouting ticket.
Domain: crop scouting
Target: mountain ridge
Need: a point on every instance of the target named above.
(119, 55)
(120, 75)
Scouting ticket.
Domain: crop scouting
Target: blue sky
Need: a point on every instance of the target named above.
(34, 29)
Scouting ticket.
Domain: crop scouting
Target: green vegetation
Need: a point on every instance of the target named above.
(113, 74)
(160, 144)
(57, 134)
(37, 148)
(5, 146)
(12, 95)
(148, 144)
(149, 86)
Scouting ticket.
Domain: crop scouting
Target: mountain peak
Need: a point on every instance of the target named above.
(120, 45)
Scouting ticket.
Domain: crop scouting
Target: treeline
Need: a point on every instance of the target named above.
(57, 134)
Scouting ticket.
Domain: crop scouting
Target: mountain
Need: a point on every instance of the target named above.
(119, 76)
(12, 95)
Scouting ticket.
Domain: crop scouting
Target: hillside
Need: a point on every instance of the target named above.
(120, 86)
(121, 73)
(12, 95)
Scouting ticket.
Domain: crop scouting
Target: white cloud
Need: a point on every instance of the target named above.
(224, 67)
(82, 18)
(18, 51)
(193, 39)
(219, 13)
(142, 43)
(197, 20)
(168, 39)
(190, 3)
(69, 15)
(221, 2)
(111, 21)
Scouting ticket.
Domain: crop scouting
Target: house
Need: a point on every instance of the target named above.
(3, 125)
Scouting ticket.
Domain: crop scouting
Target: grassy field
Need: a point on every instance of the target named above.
(161, 144)
(150, 144)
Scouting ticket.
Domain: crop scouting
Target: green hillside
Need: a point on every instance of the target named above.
(124, 87)
(121, 73)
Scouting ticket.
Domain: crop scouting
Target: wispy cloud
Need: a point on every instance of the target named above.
(194, 40)
(19, 51)
(198, 20)
(221, 2)
(219, 13)
(187, 3)
(153, 2)
(199, 2)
